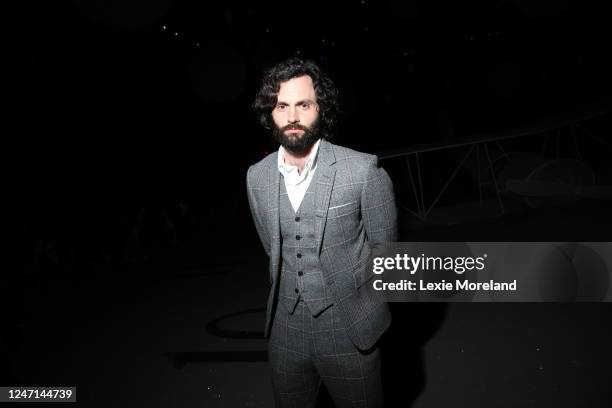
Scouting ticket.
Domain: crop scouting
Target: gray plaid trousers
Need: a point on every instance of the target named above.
(304, 351)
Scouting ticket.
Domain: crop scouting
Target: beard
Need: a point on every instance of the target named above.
(297, 144)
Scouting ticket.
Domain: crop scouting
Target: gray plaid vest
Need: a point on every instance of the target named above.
(301, 274)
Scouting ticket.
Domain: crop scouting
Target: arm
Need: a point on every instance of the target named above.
(256, 213)
(378, 205)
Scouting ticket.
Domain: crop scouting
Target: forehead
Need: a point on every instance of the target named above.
(297, 89)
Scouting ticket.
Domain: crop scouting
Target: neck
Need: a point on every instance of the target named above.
(297, 159)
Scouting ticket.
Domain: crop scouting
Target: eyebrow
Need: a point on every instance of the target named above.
(297, 103)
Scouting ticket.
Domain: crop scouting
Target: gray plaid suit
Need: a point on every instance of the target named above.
(352, 205)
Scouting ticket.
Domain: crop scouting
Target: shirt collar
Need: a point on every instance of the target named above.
(310, 162)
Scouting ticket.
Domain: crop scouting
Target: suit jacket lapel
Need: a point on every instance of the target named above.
(323, 188)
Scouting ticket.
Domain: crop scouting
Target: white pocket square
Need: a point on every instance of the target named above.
(341, 205)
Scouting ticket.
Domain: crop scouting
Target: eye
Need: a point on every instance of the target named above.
(281, 107)
(306, 106)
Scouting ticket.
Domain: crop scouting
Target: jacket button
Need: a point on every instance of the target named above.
(297, 219)
(300, 273)
(297, 237)
(299, 255)
(296, 290)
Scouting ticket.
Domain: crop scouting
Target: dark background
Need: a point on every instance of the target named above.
(134, 132)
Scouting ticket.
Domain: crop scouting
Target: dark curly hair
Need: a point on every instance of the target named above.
(326, 91)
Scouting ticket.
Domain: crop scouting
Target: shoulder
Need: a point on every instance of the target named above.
(358, 164)
(349, 155)
(261, 168)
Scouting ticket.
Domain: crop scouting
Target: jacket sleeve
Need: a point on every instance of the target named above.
(378, 209)
(256, 212)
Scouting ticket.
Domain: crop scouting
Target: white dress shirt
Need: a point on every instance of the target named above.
(297, 183)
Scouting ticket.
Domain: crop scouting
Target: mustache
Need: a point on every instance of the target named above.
(294, 127)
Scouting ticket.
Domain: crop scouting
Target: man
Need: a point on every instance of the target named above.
(317, 207)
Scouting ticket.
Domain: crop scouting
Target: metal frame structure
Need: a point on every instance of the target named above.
(546, 127)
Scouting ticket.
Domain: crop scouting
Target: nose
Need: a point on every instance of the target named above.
(292, 116)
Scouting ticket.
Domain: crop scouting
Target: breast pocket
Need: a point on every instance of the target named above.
(343, 224)
(342, 209)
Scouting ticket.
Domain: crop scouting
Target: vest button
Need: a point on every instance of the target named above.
(297, 219)
(297, 237)
(296, 290)
(299, 255)
(300, 273)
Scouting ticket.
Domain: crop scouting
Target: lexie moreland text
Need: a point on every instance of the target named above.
(458, 264)
(444, 286)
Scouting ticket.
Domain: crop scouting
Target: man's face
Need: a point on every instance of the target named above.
(296, 115)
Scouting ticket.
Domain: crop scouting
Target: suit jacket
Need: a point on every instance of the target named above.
(354, 207)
